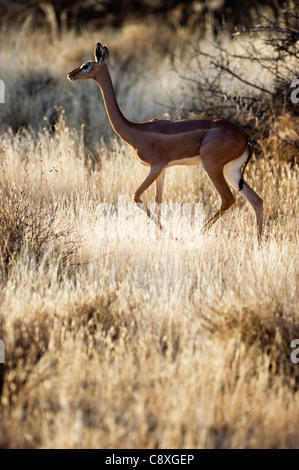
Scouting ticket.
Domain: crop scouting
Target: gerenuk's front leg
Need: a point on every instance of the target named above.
(154, 173)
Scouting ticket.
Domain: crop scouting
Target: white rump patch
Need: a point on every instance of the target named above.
(232, 170)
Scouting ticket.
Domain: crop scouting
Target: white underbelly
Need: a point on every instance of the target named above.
(186, 161)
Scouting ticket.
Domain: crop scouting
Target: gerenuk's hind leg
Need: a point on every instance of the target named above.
(227, 198)
(257, 203)
(233, 174)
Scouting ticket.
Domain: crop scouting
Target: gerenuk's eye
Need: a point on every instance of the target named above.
(85, 67)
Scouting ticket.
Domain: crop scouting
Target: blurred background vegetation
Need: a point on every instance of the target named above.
(191, 13)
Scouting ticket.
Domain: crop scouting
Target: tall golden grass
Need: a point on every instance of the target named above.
(134, 343)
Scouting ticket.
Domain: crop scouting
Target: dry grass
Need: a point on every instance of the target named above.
(138, 343)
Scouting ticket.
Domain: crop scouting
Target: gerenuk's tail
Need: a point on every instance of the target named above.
(250, 153)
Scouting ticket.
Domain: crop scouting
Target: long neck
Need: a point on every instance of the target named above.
(121, 125)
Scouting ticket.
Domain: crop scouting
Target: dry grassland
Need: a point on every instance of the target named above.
(134, 343)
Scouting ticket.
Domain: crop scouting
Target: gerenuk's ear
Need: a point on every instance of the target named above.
(105, 54)
(98, 52)
(101, 53)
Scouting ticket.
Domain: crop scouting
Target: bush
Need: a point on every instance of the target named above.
(28, 225)
(245, 75)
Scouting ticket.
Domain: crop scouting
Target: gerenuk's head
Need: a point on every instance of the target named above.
(90, 68)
